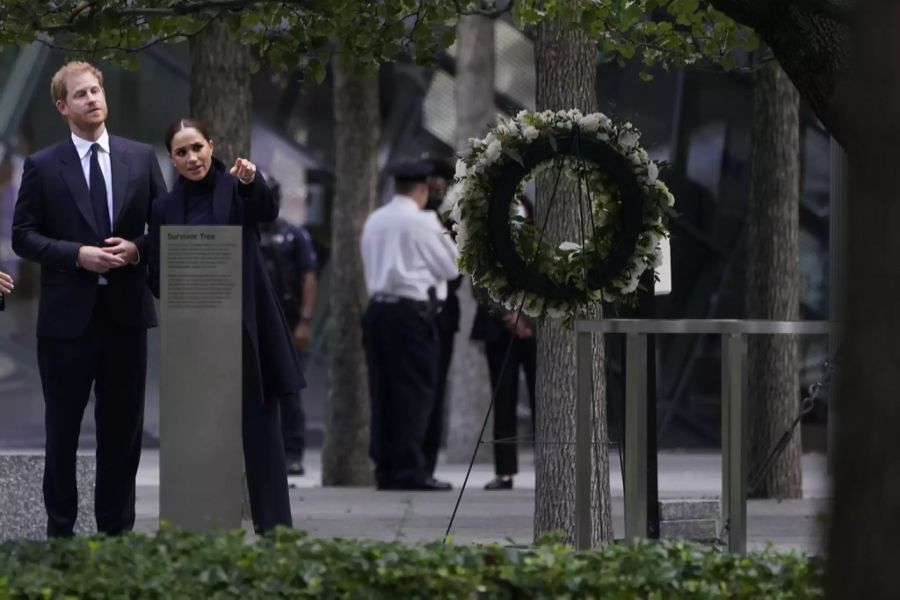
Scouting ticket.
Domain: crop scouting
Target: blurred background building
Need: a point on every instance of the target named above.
(696, 121)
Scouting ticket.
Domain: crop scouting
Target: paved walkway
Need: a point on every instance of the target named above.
(507, 516)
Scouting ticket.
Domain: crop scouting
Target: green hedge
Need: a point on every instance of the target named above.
(288, 564)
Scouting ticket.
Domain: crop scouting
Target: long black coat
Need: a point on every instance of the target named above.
(271, 369)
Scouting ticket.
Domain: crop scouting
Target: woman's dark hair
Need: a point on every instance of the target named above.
(188, 123)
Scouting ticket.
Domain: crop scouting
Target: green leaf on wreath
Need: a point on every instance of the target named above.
(513, 154)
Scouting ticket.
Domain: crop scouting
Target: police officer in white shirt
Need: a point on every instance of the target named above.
(405, 251)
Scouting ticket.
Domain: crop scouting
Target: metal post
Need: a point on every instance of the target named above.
(585, 378)
(635, 436)
(837, 276)
(734, 442)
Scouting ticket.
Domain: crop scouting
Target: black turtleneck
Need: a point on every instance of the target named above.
(198, 200)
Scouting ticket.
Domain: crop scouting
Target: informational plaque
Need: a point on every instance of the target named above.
(200, 458)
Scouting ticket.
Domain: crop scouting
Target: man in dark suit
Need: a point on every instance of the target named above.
(81, 213)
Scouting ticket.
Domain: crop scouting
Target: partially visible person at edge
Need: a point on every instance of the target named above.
(290, 260)
(208, 193)
(509, 344)
(82, 212)
(446, 320)
(405, 251)
(6, 287)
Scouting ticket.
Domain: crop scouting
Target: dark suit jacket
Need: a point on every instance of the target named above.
(271, 369)
(54, 218)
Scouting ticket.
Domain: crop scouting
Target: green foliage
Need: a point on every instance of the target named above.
(305, 34)
(287, 564)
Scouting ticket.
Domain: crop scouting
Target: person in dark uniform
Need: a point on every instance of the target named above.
(405, 251)
(446, 320)
(290, 260)
(207, 193)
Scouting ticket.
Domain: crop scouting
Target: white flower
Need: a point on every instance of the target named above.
(452, 199)
(589, 123)
(460, 169)
(652, 173)
(462, 237)
(502, 129)
(566, 246)
(632, 285)
(649, 242)
(605, 122)
(628, 139)
(492, 152)
(603, 137)
(489, 138)
(530, 133)
(521, 115)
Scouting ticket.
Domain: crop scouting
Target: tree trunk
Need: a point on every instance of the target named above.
(566, 78)
(220, 90)
(863, 552)
(812, 44)
(773, 287)
(345, 459)
(469, 386)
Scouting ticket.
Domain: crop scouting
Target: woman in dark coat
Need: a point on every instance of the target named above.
(208, 194)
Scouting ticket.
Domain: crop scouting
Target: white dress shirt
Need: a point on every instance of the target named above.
(406, 250)
(83, 148)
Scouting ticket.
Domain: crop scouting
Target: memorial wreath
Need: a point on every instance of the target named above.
(505, 253)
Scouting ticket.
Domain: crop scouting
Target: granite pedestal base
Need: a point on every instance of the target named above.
(22, 512)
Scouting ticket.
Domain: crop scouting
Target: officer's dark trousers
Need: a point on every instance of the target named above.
(506, 381)
(113, 361)
(435, 429)
(400, 343)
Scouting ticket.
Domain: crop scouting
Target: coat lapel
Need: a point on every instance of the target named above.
(222, 194)
(121, 171)
(73, 175)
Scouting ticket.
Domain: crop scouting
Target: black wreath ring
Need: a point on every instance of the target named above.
(600, 271)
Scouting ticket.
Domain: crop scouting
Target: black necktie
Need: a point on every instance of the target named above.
(98, 194)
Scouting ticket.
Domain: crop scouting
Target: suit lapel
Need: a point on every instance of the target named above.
(73, 175)
(121, 170)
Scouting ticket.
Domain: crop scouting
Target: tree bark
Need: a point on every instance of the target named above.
(566, 78)
(220, 90)
(863, 552)
(345, 459)
(773, 287)
(812, 44)
(469, 388)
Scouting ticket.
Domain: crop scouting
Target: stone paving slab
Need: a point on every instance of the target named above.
(507, 516)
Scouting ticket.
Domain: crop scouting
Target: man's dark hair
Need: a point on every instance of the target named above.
(407, 186)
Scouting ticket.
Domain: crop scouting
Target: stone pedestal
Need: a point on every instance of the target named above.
(22, 512)
(691, 519)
